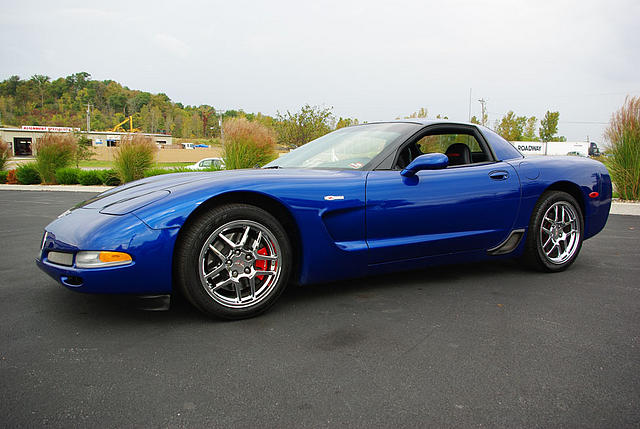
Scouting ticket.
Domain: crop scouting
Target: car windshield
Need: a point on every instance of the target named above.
(347, 148)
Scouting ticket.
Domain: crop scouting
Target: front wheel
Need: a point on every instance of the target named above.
(555, 232)
(233, 261)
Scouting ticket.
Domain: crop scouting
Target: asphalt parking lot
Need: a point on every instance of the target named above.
(475, 345)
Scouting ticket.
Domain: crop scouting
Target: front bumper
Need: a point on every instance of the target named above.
(85, 229)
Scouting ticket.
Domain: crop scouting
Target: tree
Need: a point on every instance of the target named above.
(41, 81)
(77, 81)
(346, 122)
(205, 114)
(421, 113)
(66, 100)
(84, 150)
(530, 130)
(511, 127)
(297, 129)
(118, 102)
(10, 86)
(549, 127)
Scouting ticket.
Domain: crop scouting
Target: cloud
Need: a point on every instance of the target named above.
(86, 13)
(172, 44)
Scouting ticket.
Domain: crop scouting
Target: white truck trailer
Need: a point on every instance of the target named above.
(557, 148)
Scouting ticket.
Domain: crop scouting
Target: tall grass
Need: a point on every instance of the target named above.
(54, 151)
(624, 135)
(134, 156)
(247, 144)
(4, 154)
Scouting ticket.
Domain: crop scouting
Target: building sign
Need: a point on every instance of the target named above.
(530, 148)
(49, 129)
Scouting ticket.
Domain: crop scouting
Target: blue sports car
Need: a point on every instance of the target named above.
(359, 201)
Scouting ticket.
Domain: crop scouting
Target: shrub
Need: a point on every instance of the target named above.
(27, 174)
(182, 170)
(247, 144)
(157, 171)
(11, 177)
(67, 176)
(624, 134)
(3, 176)
(110, 177)
(5, 153)
(89, 177)
(134, 155)
(54, 151)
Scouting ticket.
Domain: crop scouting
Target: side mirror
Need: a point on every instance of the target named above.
(429, 161)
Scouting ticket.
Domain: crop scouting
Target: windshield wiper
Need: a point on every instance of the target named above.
(273, 166)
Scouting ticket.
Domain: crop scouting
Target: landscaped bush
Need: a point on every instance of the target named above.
(5, 153)
(624, 134)
(27, 174)
(54, 151)
(183, 170)
(3, 176)
(67, 176)
(110, 178)
(89, 177)
(134, 155)
(11, 177)
(247, 144)
(157, 171)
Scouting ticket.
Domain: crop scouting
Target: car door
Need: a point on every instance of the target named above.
(461, 208)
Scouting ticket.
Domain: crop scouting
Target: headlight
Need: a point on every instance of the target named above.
(98, 259)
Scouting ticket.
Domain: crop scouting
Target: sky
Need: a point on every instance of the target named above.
(371, 60)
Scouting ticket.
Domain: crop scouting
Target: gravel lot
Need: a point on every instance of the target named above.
(476, 345)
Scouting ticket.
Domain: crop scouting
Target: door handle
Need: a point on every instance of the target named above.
(499, 175)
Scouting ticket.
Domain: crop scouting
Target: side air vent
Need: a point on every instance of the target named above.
(509, 244)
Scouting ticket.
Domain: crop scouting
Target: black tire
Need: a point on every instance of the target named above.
(547, 255)
(229, 293)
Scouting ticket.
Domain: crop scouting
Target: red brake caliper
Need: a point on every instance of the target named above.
(261, 265)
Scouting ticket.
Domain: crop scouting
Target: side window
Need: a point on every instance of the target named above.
(461, 149)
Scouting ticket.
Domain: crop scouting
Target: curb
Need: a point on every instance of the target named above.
(625, 208)
(66, 188)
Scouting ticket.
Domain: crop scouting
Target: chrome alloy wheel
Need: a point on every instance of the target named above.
(560, 232)
(240, 264)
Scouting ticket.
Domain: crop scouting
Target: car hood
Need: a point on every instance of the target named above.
(142, 191)
(134, 195)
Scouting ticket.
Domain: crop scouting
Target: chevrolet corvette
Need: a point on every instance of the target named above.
(362, 200)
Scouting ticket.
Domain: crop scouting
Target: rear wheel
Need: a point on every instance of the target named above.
(233, 261)
(555, 232)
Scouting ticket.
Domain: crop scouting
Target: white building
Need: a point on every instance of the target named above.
(22, 139)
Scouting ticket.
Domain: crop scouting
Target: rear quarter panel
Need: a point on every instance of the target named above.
(540, 173)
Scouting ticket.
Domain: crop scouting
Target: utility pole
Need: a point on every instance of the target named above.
(469, 118)
(89, 106)
(483, 102)
(221, 129)
(220, 113)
